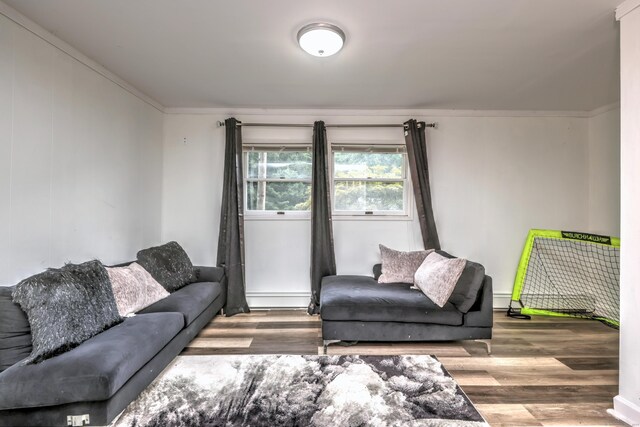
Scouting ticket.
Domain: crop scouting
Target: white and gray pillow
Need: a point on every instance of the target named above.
(134, 288)
(169, 264)
(66, 307)
(399, 266)
(437, 277)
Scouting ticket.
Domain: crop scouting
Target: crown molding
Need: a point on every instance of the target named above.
(35, 29)
(626, 7)
(404, 113)
(605, 109)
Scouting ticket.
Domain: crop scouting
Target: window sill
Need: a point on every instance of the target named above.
(335, 217)
(364, 217)
(275, 217)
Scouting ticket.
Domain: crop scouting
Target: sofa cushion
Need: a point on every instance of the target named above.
(191, 300)
(466, 291)
(169, 264)
(66, 306)
(94, 370)
(15, 332)
(361, 298)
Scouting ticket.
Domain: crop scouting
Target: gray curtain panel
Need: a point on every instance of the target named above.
(231, 236)
(323, 260)
(415, 138)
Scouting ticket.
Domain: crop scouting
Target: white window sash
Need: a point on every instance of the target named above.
(271, 214)
(363, 148)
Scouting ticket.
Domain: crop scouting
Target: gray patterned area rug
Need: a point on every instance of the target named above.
(327, 391)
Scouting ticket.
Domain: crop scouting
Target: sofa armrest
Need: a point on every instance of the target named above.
(481, 314)
(209, 274)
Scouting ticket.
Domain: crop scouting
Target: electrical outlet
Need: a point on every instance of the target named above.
(78, 420)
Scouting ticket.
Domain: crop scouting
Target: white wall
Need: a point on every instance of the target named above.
(604, 173)
(80, 161)
(81, 176)
(493, 178)
(627, 403)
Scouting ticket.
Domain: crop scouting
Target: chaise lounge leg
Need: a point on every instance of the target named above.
(487, 343)
(325, 344)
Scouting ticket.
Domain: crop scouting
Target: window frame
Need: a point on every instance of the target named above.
(251, 214)
(387, 146)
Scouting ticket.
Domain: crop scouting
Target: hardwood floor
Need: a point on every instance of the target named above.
(542, 372)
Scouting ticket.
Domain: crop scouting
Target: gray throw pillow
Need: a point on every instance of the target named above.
(15, 332)
(399, 266)
(66, 307)
(169, 264)
(437, 277)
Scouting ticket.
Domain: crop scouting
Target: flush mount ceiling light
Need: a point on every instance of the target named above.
(321, 39)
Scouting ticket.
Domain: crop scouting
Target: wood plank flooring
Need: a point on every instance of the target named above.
(542, 372)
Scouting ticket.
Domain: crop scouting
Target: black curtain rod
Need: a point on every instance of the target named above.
(302, 125)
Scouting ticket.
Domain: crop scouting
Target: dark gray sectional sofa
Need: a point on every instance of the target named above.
(358, 308)
(92, 383)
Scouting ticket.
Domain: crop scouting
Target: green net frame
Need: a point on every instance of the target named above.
(568, 274)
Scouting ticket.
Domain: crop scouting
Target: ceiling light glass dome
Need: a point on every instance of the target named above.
(321, 39)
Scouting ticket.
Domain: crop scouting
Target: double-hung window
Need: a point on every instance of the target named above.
(277, 180)
(369, 180)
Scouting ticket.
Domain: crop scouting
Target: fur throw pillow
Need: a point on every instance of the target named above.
(65, 307)
(169, 264)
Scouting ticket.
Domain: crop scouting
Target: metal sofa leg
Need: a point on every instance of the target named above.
(325, 344)
(487, 343)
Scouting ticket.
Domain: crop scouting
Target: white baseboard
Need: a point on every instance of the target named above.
(301, 299)
(501, 300)
(278, 299)
(625, 411)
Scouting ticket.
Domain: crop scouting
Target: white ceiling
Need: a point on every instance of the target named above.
(444, 54)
